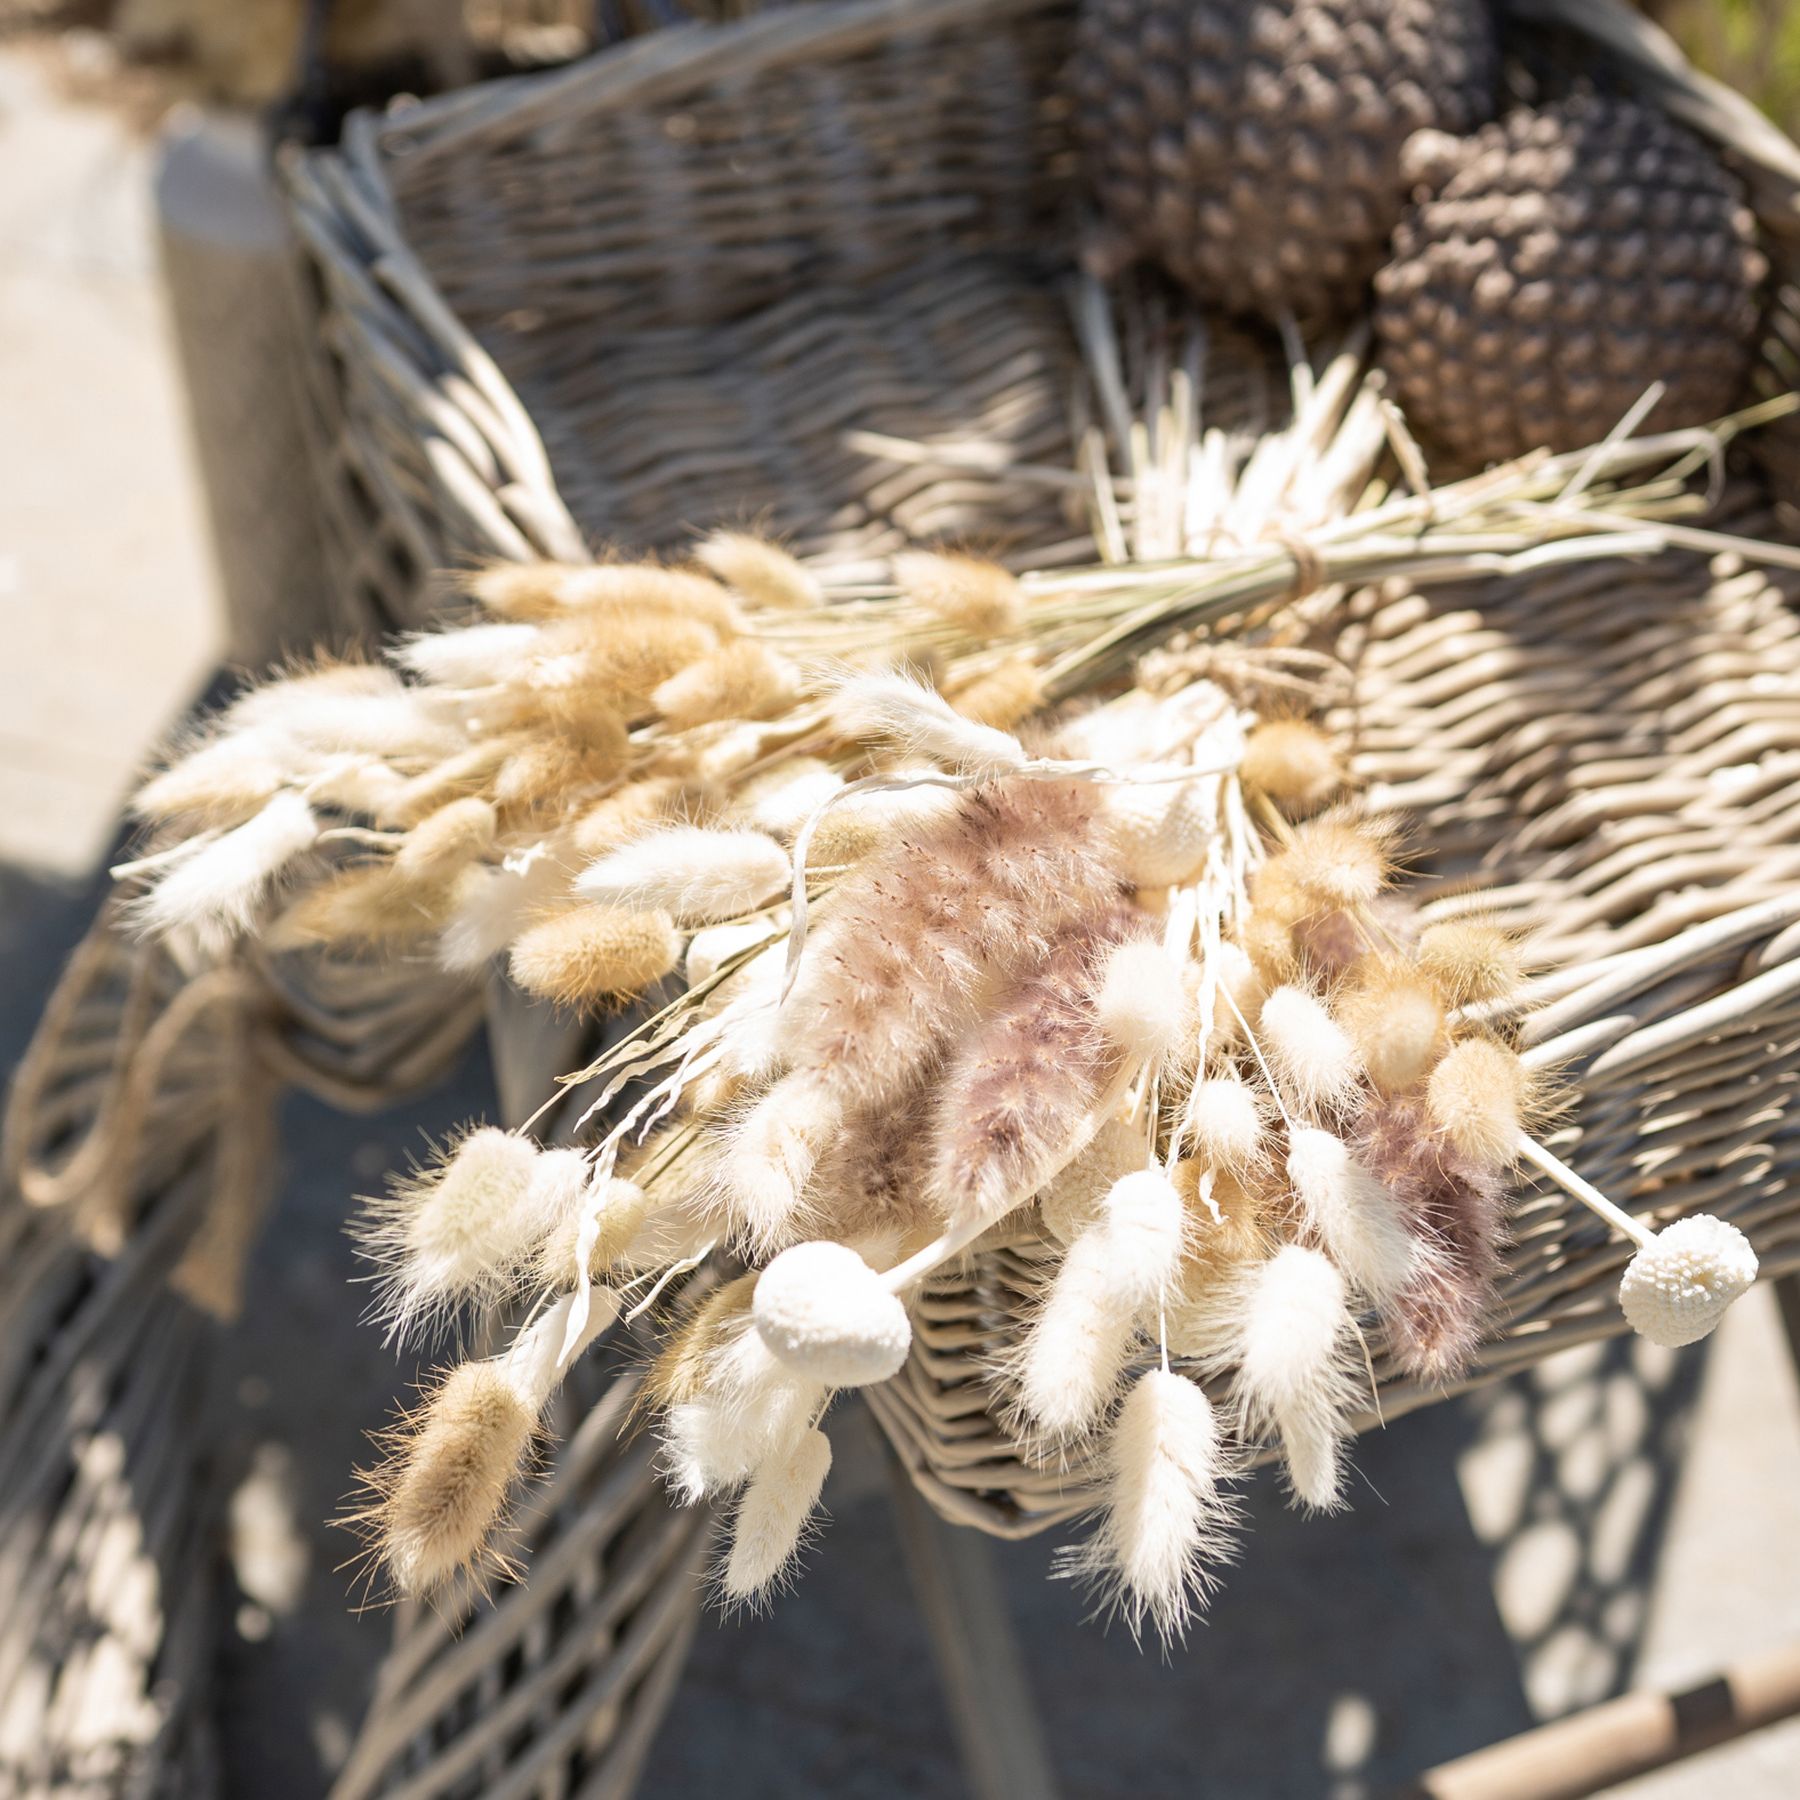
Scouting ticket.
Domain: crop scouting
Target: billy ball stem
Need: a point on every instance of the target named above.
(1531, 1151)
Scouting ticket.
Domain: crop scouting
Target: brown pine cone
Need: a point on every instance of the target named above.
(1563, 261)
(1253, 146)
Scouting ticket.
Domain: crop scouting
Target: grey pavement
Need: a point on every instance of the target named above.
(1616, 1517)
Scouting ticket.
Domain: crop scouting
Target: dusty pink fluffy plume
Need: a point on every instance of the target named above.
(1458, 1208)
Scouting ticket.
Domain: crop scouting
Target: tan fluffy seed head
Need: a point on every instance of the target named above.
(1396, 1020)
(763, 574)
(520, 590)
(1269, 944)
(443, 1494)
(470, 772)
(611, 662)
(444, 842)
(623, 1207)
(222, 781)
(1471, 960)
(843, 837)
(1005, 696)
(553, 591)
(1228, 1216)
(743, 680)
(366, 905)
(1477, 1097)
(556, 773)
(1292, 762)
(595, 956)
(969, 592)
(1341, 859)
(623, 814)
(610, 592)
(679, 1371)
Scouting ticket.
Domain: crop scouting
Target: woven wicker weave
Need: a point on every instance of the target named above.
(704, 276)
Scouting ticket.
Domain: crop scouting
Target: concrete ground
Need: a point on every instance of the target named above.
(1618, 1517)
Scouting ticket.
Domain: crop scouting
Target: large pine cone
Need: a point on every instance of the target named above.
(1566, 259)
(1254, 148)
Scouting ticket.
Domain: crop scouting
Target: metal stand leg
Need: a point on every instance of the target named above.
(991, 1709)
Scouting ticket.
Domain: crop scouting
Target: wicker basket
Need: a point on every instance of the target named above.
(722, 273)
(136, 1154)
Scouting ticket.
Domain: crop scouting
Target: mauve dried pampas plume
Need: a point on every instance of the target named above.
(949, 931)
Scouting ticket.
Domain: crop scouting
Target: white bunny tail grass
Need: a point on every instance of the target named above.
(1066, 1371)
(215, 890)
(760, 1180)
(710, 949)
(1166, 1519)
(1225, 1121)
(1296, 1371)
(781, 801)
(773, 1518)
(1142, 1224)
(445, 842)
(697, 876)
(761, 574)
(393, 722)
(439, 1495)
(474, 657)
(746, 1409)
(893, 709)
(975, 595)
(457, 1233)
(1314, 1060)
(222, 780)
(1141, 1005)
(1356, 1218)
(1680, 1284)
(495, 906)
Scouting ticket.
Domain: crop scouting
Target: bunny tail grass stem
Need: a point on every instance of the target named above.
(1262, 1063)
(1572, 1184)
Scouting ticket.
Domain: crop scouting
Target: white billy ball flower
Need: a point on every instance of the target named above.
(1677, 1288)
(825, 1313)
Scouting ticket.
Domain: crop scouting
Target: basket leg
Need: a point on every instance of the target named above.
(1787, 1297)
(954, 1579)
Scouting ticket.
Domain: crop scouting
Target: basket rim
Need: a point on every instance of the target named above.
(666, 63)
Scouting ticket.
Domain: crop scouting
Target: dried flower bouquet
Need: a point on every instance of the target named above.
(972, 903)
